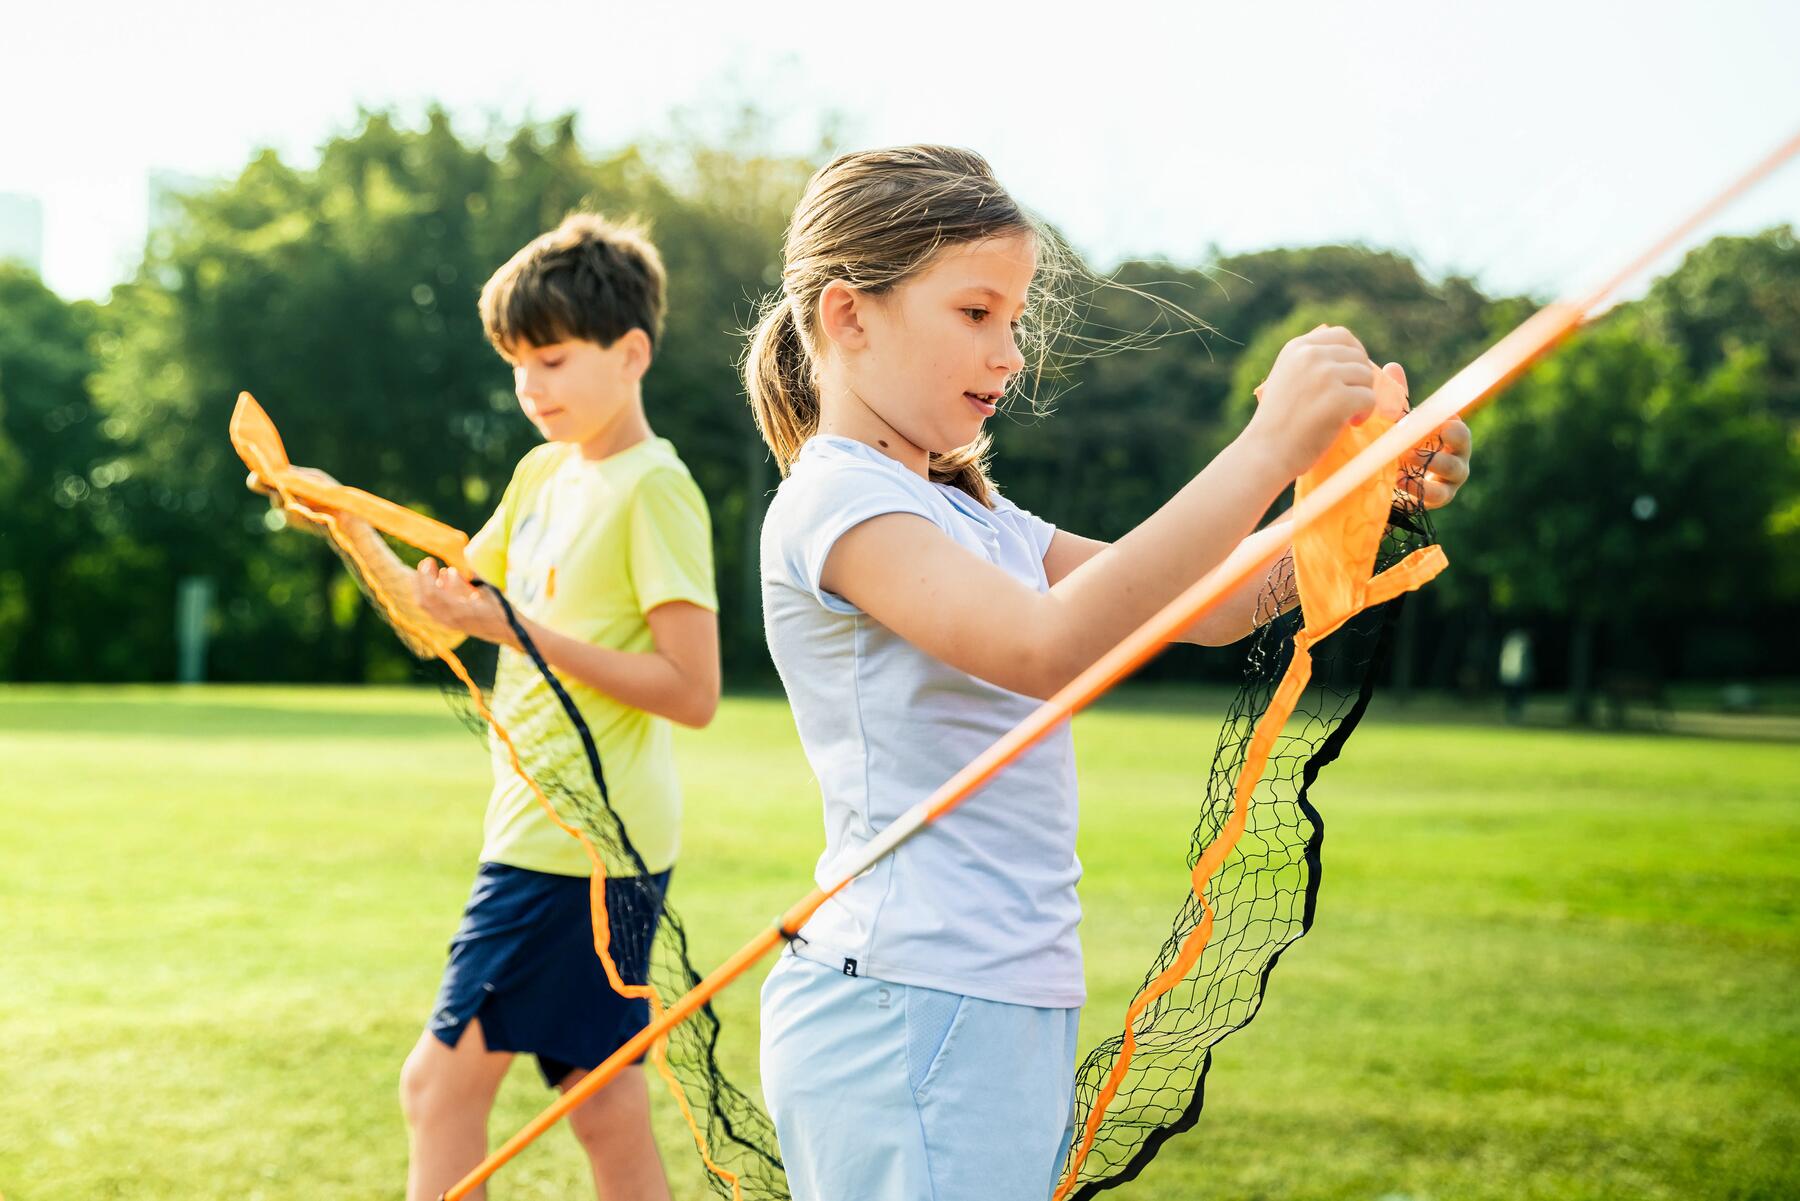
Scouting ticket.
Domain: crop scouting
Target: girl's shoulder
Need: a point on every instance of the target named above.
(833, 473)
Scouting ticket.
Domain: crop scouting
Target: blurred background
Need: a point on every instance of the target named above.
(242, 198)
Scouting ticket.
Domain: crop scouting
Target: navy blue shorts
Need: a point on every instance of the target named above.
(523, 962)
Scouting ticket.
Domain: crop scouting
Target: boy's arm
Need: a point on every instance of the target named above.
(679, 679)
(372, 556)
(376, 558)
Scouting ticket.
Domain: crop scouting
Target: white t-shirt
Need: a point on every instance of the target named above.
(982, 902)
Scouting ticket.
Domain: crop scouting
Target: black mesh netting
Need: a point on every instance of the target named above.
(530, 712)
(1262, 896)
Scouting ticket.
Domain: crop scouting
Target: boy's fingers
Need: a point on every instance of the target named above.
(1395, 372)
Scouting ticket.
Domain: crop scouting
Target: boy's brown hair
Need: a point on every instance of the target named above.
(588, 278)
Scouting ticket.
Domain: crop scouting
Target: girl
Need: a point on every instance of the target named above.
(919, 1039)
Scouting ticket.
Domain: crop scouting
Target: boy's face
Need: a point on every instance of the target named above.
(575, 390)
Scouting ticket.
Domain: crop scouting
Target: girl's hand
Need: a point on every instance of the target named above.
(1321, 381)
(1440, 465)
(450, 600)
(1435, 470)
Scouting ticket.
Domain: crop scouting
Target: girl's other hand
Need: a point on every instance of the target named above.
(1435, 470)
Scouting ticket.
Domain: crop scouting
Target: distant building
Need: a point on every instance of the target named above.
(22, 229)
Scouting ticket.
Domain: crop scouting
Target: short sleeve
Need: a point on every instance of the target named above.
(1038, 531)
(822, 504)
(487, 549)
(671, 542)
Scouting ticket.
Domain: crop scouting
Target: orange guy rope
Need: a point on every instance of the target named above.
(1498, 366)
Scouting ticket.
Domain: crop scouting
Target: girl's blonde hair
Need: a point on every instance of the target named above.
(874, 219)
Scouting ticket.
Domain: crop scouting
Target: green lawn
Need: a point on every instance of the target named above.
(1546, 965)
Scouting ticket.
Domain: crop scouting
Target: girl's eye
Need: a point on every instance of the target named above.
(975, 314)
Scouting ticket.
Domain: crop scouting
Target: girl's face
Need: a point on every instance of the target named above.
(936, 353)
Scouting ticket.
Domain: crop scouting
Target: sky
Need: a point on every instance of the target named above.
(1533, 145)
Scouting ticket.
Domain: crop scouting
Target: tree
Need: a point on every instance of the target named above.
(58, 586)
(1615, 488)
(344, 297)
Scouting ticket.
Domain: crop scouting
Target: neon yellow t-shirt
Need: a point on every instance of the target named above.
(587, 548)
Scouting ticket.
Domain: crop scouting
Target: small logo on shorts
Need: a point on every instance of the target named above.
(849, 967)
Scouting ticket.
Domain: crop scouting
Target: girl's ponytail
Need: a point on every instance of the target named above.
(778, 377)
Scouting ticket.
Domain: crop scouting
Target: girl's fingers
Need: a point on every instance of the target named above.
(1450, 468)
(1360, 400)
(1457, 438)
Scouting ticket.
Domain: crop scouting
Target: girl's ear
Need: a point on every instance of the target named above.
(840, 315)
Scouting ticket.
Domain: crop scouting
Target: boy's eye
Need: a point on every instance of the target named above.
(553, 362)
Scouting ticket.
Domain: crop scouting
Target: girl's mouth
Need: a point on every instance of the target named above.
(983, 402)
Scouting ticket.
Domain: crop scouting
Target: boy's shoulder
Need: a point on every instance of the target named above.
(539, 462)
(651, 469)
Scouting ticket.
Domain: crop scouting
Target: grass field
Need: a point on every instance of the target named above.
(1546, 964)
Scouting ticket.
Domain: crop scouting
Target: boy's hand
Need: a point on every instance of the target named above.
(450, 600)
(1321, 381)
(301, 515)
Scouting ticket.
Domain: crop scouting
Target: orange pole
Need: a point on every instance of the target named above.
(1498, 366)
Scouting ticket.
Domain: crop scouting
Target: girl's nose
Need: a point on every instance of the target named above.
(1012, 359)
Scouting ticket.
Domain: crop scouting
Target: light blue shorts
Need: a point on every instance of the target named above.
(891, 1092)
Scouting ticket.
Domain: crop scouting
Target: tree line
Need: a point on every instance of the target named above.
(1636, 502)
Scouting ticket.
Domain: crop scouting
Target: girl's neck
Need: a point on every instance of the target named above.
(843, 414)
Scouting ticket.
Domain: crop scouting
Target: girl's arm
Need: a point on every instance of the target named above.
(677, 679)
(910, 576)
(1441, 467)
(1231, 619)
(907, 574)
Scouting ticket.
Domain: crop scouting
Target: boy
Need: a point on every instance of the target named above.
(602, 544)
